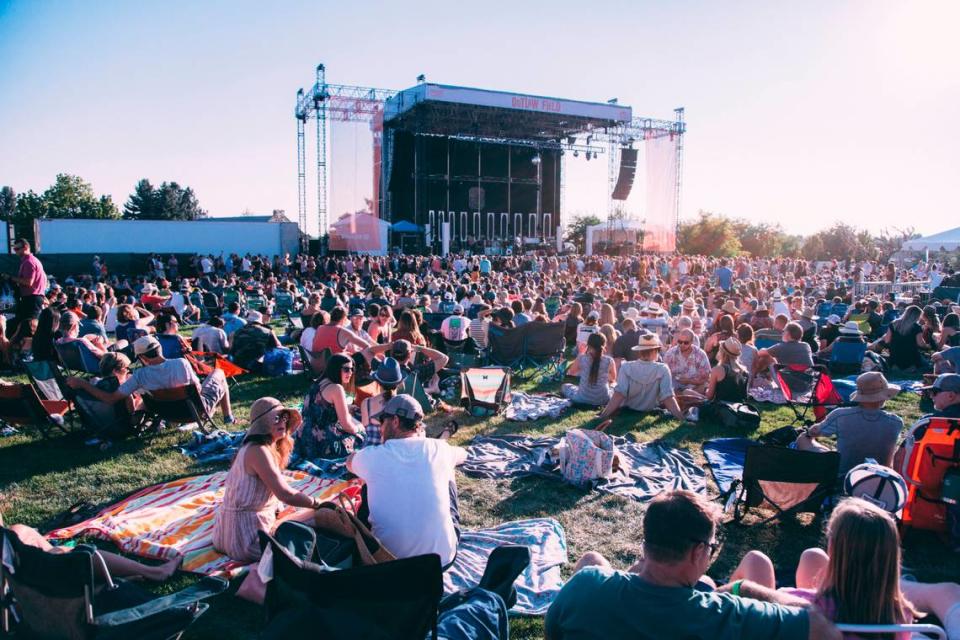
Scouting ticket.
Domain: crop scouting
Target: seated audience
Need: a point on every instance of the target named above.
(454, 328)
(70, 330)
(857, 580)
(249, 343)
(255, 485)
(665, 595)
(904, 339)
(335, 336)
(728, 380)
(211, 337)
(644, 384)
(158, 373)
(623, 347)
(945, 392)
(789, 352)
(330, 429)
(688, 363)
(232, 320)
(171, 342)
(597, 372)
(410, 484)
(864, 431)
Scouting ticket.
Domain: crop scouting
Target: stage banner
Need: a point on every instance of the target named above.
(661, 185)
(359, 233)
(444, 238)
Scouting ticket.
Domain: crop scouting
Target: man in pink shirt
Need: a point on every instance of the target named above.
(33, 286)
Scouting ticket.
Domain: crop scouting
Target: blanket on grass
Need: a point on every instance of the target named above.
(221, 446)
(846, 386)
(646, 469)
(725, 457)
(538, 585)
(533, 406)
(177, 517)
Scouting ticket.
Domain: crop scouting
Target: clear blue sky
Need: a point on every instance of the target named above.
(799, 113)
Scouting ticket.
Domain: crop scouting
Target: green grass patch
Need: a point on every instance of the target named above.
(41, 478)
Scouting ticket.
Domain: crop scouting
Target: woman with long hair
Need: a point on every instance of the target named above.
(748, 351)
(611, 335)
(597, 372)
(607, 315)
(48, 325)
(571, 321)
(950, 331)
(389, 376)
(408, 329)
(905, 340)
(930, 323)
(255, 484)
(330, 429)
(724, 329)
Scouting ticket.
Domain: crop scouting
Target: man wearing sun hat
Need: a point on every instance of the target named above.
(644, 384)
(410, 483)
(864, 431)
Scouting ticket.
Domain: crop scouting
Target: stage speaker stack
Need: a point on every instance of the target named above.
(628, 169)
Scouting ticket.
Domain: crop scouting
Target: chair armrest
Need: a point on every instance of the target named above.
(873, 629)
(205, 588)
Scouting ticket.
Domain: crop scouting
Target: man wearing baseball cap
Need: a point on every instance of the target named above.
(158, 373)
(945, 392)
(410, 484)
(864, 431)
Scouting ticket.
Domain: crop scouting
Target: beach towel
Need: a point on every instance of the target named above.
(528, 406)
(177, 517)
(646, 469)
(846, 386)
(725, 457)
(538, 585)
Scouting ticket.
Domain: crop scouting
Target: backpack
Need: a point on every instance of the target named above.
(586, 455)
(277, 362)
(733, 415)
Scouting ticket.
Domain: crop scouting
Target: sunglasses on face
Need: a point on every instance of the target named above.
(346, 370)
(684, 342)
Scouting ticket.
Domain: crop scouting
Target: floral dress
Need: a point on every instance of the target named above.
(321, 435)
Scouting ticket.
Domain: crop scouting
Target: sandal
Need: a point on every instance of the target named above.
(450, 427)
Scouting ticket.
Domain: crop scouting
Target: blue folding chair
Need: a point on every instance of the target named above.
(77, 358)
(846, 358)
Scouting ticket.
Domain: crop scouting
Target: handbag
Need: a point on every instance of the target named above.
(340, 521)
(586, 455)
(737, 415)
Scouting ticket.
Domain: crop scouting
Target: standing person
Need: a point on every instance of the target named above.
(32, 282)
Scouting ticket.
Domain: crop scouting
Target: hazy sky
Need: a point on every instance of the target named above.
(800, 113)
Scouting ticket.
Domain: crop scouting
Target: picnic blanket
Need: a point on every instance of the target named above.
(532, 406)
(846, 386)
(725, 457)
(222, 446)
(538, 585)
(177, 517)
(646, 469)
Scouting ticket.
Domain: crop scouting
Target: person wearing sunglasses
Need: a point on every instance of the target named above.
(945, 392)
(667, 595)
(689, 364)
(330, 428)
(255, 485)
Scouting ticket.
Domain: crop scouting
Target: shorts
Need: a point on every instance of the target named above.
(212, 390)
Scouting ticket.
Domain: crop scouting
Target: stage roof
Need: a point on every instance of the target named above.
(448, 110)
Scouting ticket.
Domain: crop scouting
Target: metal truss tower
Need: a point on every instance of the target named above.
(330, 103)
(680, 127)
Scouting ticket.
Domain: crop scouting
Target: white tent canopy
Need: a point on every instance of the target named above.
(945, 240)
(618, 231)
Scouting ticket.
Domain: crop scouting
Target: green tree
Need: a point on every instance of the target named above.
(761, 239)
(142, 203)
(577, 231)
(839, 242)
(711, 234)
(30, 206)
(72, 197)
(169, 201)
(8, 204)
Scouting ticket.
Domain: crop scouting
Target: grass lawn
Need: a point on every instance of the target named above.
(39, 479)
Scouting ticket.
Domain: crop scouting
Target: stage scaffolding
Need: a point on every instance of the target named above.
(326, 102)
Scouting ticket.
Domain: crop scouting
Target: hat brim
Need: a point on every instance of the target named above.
(388, 383)
(851, 332)
(877, 396)
(646, 347)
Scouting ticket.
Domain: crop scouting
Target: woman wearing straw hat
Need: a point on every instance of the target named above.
(728, 380)
(255, 483)
(644, 384)
(389, 376)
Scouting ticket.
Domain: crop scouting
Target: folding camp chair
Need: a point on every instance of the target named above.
(413, 386)
(73, 596)
(930, 452)
(805, 388)
(766, 338)
(846, 358)
(211, 304)
(170, 346)
(485, 390)
(296, 321)
(21, 406)
(840, 309)
(303, 595)
(824, 309)
(285, 302)
(788, 480)
(543, 349)
(506, 349)
(50, 382)
(863, 322)
(77, 358)
(179, 405)
(255, 303)
(314, 362)
(916, 630)
(232, 295)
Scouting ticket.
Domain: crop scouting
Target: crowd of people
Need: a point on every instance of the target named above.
(644, 333)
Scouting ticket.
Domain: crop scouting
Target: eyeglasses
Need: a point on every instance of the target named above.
(684, 342)
(714, 546)
(346, 370)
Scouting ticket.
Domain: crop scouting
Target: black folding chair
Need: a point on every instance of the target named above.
(506, 349)
(72, 596)
(179, 405)
(786, 480)
(543, 348)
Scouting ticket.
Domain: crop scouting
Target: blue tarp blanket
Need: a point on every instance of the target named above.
(725, 457)
(846, 386)
(646, 469)
(222, 446)
(538, 585)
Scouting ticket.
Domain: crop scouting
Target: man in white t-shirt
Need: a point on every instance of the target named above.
(410, 484)
(454, 328)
